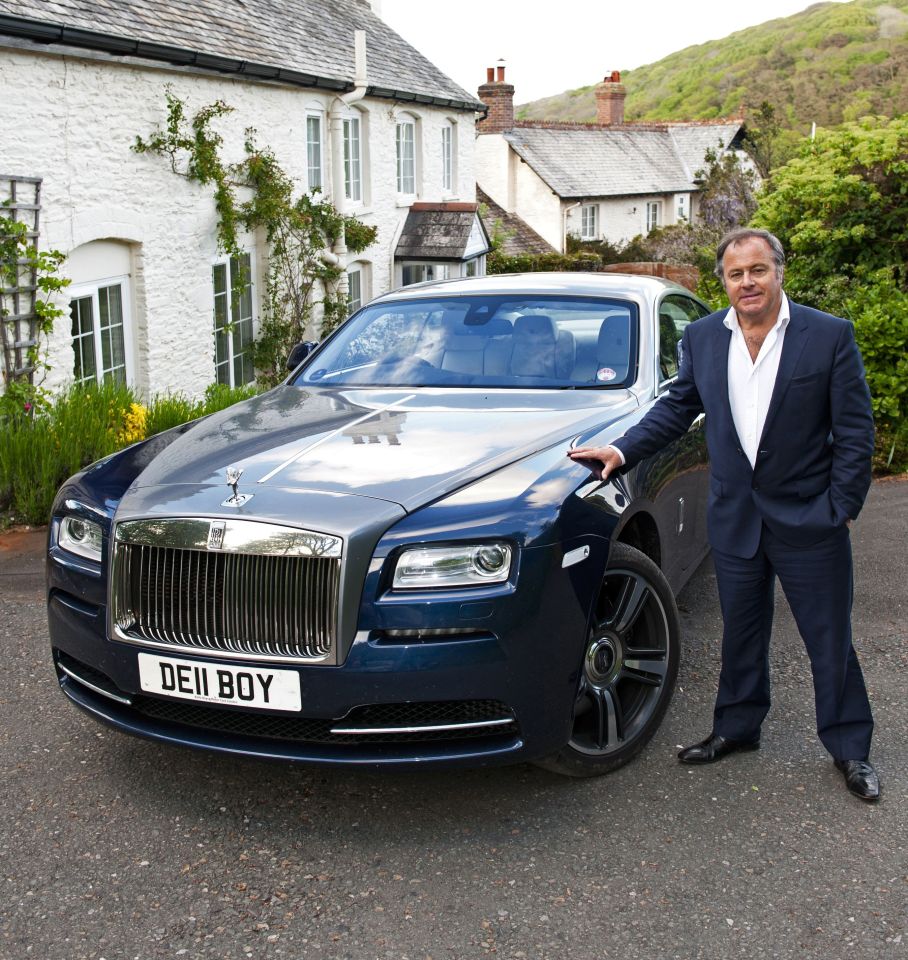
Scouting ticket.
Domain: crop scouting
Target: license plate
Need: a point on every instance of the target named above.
(253, 687)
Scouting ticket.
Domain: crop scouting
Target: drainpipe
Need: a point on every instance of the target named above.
(336, 128)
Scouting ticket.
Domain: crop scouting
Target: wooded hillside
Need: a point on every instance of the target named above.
(832, 62)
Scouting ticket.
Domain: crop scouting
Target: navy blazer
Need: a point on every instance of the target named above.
(813, 464)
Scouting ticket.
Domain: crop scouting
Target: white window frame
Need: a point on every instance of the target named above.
(356, 287)
(448, 155)
(315, 172)
(93, 290)
(232, 321)
(353, 158)
(475, 266)
(432, 270)
(405, 141)
(589, 221)
(653, 214)
(683, 207)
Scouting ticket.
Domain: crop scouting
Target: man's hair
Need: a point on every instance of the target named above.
(747, 233)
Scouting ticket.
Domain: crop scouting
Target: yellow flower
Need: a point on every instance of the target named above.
(134, 424)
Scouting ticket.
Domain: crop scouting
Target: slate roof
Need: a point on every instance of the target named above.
(611, 161)
(518, 236)
(437, 231)
(305, 42)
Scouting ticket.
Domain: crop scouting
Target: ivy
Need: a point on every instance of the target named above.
(20, 261)
(300, 229)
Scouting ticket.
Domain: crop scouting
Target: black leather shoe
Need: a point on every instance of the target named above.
(714, 748)
(861, 779)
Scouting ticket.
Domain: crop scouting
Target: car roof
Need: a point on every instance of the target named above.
(566, 284)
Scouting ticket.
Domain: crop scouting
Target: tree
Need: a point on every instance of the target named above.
(727, 200)
(841, 210)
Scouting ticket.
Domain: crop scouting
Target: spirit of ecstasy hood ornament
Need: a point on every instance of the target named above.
(233, 479)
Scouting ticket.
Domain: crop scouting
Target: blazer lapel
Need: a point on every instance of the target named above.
(792, 347)
(721, 345)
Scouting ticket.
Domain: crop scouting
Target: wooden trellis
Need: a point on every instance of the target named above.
(20, 201)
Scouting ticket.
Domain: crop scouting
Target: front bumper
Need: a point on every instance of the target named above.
(501, 691)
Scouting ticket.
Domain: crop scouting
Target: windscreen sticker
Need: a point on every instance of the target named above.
(605, 373)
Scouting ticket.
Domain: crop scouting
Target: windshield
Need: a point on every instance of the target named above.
(499, 341)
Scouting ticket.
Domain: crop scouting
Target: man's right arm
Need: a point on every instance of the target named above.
(669, 418)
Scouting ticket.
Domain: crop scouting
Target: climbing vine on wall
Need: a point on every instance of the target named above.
(300, 230)
(27, 274)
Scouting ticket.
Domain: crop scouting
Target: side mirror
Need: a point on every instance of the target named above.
(299, 353)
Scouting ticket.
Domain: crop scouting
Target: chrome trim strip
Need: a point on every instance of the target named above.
(240, 536)
(332, 435)
(429, 728)
(219, 654)
(92, 686)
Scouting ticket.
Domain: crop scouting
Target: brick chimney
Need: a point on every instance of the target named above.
(498, 96)
(610, 96)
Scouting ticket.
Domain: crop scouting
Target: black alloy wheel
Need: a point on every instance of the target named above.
(629, 668)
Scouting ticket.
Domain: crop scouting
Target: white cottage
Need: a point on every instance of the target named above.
(369, 121)
(609, 180)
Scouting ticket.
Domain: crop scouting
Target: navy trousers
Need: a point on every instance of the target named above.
(817, 582)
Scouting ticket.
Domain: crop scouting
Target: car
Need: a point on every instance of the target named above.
(389, 560)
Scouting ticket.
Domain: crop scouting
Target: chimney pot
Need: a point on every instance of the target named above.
(498, 97)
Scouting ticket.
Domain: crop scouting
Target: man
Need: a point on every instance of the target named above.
(790, 435)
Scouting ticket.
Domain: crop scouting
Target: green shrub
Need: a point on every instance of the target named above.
(219, 395)
(170, 410)
(37, 453)
(41, 446)
(498, 262)
(879, 309)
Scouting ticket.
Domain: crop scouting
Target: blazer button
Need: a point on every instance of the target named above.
(755, 487)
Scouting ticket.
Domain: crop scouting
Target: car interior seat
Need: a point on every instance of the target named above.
(540, 349)
(613, 349)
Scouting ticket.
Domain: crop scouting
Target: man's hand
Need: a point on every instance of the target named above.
(601, 461)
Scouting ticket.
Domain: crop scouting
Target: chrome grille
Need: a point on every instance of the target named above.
(244, 604)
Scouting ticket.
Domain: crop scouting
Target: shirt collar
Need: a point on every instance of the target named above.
(731, 317)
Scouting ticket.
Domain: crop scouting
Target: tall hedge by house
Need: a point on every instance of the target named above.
(841, 210)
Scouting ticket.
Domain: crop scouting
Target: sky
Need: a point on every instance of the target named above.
(549, 46)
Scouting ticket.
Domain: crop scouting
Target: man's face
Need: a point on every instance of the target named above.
(752, 281)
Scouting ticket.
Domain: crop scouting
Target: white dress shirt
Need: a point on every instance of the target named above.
(750, 382)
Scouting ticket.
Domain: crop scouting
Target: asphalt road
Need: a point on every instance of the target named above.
(112, 847)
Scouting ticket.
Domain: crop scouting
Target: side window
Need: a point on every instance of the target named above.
(675, 313)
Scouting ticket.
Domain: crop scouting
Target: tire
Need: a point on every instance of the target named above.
(628, 670)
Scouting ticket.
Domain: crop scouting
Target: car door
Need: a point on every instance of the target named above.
(684, 499)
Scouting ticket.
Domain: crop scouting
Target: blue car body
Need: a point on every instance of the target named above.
(355, 476)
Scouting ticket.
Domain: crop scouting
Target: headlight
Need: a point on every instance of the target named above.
(81, 537)
(466, 565)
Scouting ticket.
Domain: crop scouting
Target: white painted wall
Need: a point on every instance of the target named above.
(72, 119)
(516, 187)
(623, 218)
